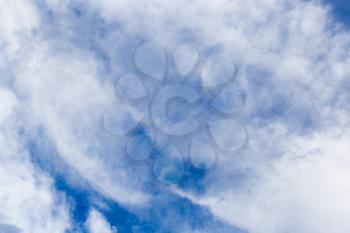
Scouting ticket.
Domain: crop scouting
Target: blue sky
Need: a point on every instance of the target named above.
(165, 117)
(341, 10)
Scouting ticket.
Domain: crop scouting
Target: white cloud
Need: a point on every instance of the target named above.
(306, 54)
(297, 41)
(8, 103)
(61, 93)
(27, 201)
(304, 191)
(64, 95)
(97, 224)
(18, 19)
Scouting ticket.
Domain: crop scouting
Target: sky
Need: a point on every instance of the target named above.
(340, 10)
(227, 116)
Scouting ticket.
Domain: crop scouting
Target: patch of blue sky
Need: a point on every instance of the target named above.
(340, 10)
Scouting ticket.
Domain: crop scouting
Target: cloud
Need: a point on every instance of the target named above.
(296, 57)
(97, 223)
(303, 191)
(58, 67)
(65, 97)
(27, 201)
(18, 20)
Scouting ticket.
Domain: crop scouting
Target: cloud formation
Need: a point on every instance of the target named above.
(59, 64)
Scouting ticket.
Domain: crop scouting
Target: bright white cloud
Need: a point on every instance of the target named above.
(64, 95)
(304, 191)
(97, 224)
(18, 19)
(27, 201)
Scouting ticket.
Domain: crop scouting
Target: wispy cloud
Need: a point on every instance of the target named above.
(59, 65)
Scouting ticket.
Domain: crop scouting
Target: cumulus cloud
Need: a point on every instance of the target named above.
(304, 190)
